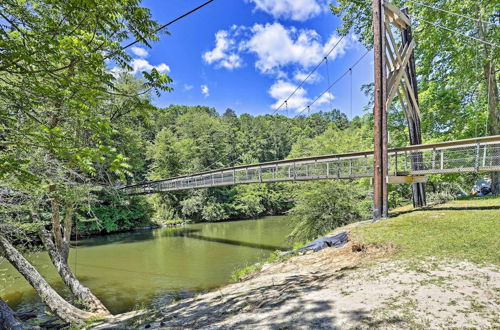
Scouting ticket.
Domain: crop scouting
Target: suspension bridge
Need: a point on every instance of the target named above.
(394, 77)
(407, 165)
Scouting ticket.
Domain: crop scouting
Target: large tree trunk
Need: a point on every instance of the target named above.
(58, 250)
(86, 297)
(7, 319)
(55, 205)
(49, 296)
(68, 217)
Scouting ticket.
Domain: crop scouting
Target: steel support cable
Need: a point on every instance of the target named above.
(309, 75)
(453, 13)
(328, 81)
(334, 83)
(350, 91)
(454, 31)
(162, 27)
(285, 102)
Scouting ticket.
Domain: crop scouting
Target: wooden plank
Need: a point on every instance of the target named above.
(409, 89)
(406, 179)
(405, 58)
(396, 15)
(397, 60)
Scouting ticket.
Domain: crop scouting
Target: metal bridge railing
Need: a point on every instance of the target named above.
(471, 155)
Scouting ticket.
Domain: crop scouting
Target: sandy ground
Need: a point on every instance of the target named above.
(350, 287)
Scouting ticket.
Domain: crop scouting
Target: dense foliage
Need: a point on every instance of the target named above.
(190, 139)
(114, 212)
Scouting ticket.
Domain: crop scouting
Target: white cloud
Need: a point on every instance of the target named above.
(276, 47)
(138, 51)
(281, 89)
(298, 10)
(224, 53)
(188, 87)
(299, 76)
(140, 64)
(204, 90)
(286, 53)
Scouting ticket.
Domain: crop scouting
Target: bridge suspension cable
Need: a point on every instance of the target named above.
(349, 70)
(334, 83)
(454, 31)
(453, 13)
(163, 26)
(309, 75)
(285, 102)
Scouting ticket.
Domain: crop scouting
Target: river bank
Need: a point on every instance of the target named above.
(436, 268)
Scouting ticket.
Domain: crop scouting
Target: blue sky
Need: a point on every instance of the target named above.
(249, 55)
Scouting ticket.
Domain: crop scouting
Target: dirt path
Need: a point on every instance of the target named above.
(350, 287)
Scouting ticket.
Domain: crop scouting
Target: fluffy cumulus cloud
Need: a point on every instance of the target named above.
(140, 64)
(286, 53)
(138, 51)
(301, 76)
(224, 53)
(281, 90)
(276, 46)
(204, 90)
(298, 10)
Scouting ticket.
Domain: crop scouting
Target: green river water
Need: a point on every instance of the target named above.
(130, 269)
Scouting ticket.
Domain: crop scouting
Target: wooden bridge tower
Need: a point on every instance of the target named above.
(395, 75)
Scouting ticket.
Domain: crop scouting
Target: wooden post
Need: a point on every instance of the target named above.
(418, 189)
(380, 171)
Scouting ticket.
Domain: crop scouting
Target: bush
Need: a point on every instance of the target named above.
(323, 206)
(116, 212)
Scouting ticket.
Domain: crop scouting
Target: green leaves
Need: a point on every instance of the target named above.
(450, 66)
(157, 81)
(60, 108)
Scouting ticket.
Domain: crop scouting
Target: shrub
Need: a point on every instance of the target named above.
(323, 206)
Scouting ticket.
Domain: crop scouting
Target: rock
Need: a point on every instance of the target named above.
(23, 316)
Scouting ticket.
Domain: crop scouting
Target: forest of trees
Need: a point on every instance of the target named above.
(71, 131)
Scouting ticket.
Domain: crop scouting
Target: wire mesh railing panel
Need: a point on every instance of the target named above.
(491, 157)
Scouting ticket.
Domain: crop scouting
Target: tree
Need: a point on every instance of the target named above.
(322, 206)
(56, 127)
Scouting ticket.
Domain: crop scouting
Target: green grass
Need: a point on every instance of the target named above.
(467, 228)
(246, 270)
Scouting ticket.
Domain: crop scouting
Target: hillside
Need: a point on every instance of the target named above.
(436, 267)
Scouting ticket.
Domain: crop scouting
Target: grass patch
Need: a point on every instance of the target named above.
(467, 228)
(247, 270)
